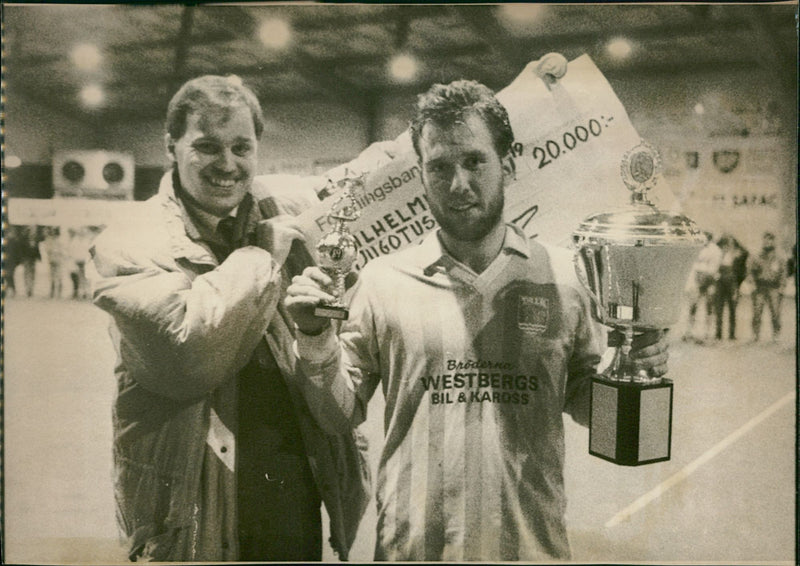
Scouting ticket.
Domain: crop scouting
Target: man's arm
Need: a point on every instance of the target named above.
(339, 374)
(582, 364)
(183, 335)
(754, 266)
(782, 275)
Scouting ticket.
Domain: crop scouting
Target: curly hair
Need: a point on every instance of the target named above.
(211, 92)
(446, 105)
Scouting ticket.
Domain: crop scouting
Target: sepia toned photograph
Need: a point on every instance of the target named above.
(447, 282)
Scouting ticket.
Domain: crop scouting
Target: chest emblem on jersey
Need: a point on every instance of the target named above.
(533, 314)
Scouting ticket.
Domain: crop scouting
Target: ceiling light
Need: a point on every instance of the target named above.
(92, 95)
(619, 48)
(12, 161)
(275, 33)
(403, 67)
(86, 56)
(521, 13)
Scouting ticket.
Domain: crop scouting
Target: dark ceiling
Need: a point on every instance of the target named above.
(340, 51)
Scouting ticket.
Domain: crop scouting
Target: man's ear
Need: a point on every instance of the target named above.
(169, 143)
(509, 168)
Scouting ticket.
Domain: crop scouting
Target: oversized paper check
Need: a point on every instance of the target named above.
(570, 137)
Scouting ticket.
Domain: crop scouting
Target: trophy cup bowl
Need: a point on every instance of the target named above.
(634, 262)
(336, 254)
(637, 260)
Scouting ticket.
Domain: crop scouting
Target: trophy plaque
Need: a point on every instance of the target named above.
(336, 249)
(634, 262)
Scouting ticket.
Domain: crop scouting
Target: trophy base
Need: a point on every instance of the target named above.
(327, 311)
(630, 423)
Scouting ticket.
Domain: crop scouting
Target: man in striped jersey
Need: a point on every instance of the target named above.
(479, 338)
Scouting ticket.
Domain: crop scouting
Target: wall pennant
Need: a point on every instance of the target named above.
(726, 160)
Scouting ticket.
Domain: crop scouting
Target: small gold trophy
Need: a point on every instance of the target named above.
(636, 261)
(336, 250)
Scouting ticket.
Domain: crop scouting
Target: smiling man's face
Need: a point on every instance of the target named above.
(216, 158)
(464, 177)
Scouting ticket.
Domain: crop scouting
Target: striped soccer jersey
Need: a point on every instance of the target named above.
(476, 371)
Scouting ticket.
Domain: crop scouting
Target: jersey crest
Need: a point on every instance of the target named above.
(533, 314)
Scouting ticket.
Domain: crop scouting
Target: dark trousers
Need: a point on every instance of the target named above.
(726, 296)
(771, 296)
(279, 505)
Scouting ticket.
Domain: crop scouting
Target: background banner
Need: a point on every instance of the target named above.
(73, 212)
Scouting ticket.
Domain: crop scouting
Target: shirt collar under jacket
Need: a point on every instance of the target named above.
(205, 222)
(433, 256)
(184, 228)
(200, 225)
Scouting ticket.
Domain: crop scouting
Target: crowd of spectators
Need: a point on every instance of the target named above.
(60, 252)
(724, 272)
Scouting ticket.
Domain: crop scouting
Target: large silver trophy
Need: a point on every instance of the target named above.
(634, 262)
(336, 249)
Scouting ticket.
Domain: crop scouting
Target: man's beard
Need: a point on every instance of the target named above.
(474, 230)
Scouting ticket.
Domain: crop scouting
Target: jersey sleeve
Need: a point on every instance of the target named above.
(583, 362)
(342, 372)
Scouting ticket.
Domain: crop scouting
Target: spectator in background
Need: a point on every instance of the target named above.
(11, 259)
(79, 240)
(702, 285)
(769, 276)
(53, 251)
(727, 287)
(740, 265)
(29, 254)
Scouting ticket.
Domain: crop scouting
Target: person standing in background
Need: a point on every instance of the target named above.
(727, 288)
(12, 250)
(29, 254)
(79, 242)
(768, 272)
(702, 286)
(740, 266)
(53, 251)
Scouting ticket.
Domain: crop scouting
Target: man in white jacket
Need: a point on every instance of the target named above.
(216, 454)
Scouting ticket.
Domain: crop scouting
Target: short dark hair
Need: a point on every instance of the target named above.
(445, 105)
(211, 92)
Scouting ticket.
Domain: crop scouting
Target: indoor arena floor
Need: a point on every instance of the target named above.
(727, 495)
